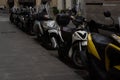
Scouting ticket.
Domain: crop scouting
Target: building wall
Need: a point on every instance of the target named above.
(68, 4)
(60, 4)
(95, 9)
(54, 3)
(16, 3)
(3, 2)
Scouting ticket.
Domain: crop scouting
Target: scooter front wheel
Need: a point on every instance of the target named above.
(20, 25)
(62, 51)
(79, 57)
(38, 34)
(11, 19)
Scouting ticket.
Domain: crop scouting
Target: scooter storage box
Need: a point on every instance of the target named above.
(62, 20)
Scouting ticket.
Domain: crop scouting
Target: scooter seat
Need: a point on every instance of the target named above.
(101, 42)
(69, 29)
(100, 39)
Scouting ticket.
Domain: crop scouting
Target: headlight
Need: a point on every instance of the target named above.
(51, 24)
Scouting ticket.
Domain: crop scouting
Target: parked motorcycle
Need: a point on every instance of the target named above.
(103, 53)
(75, 38)
(22, 18)
(30, 19)
(45, 27)
(14, 16)
(11, 17)
(47, 31)
(27, 21)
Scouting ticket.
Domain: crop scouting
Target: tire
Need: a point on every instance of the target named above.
(61, 50)
(20, 25)
(38, 34)
(24, 28)
(61, 53)
(30, 30)
(11, 19)
(79, 57)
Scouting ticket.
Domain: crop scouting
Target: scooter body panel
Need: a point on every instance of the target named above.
(79, 37)
(103, 56)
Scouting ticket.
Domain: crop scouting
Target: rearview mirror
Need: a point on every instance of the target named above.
(107, 14)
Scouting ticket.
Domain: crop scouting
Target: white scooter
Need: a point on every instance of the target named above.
(48, 32)
(75, 40)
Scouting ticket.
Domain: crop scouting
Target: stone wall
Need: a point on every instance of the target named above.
(3, 3)
(95, 9)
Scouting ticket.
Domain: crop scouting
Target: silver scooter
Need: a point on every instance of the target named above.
(46, 28)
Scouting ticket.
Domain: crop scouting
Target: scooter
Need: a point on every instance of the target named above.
(27, 21)
(47, 31)
(75, 39)
(103, 54)
(11, 17)
(14, 16)
(23, 19)
(45, 28)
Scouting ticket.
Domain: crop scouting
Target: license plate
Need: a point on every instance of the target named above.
(84, 43)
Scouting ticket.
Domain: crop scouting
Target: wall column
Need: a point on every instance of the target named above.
(60, 4)
(16, 3)
(53, 3)
(69, 4)
(38, 2)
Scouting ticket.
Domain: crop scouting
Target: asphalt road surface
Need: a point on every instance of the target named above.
(23, 58)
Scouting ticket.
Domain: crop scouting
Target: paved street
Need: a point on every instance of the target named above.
(23, 58)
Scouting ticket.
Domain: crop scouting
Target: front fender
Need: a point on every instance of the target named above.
(56, 33)
(37, 25)
(78, 43)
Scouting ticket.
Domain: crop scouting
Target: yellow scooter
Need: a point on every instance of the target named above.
(103, 54)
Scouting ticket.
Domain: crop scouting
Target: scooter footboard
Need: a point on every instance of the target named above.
(113, 62)
(113, 74)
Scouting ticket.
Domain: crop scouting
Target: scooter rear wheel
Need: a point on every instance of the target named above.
(38, 34)
(61, 51)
